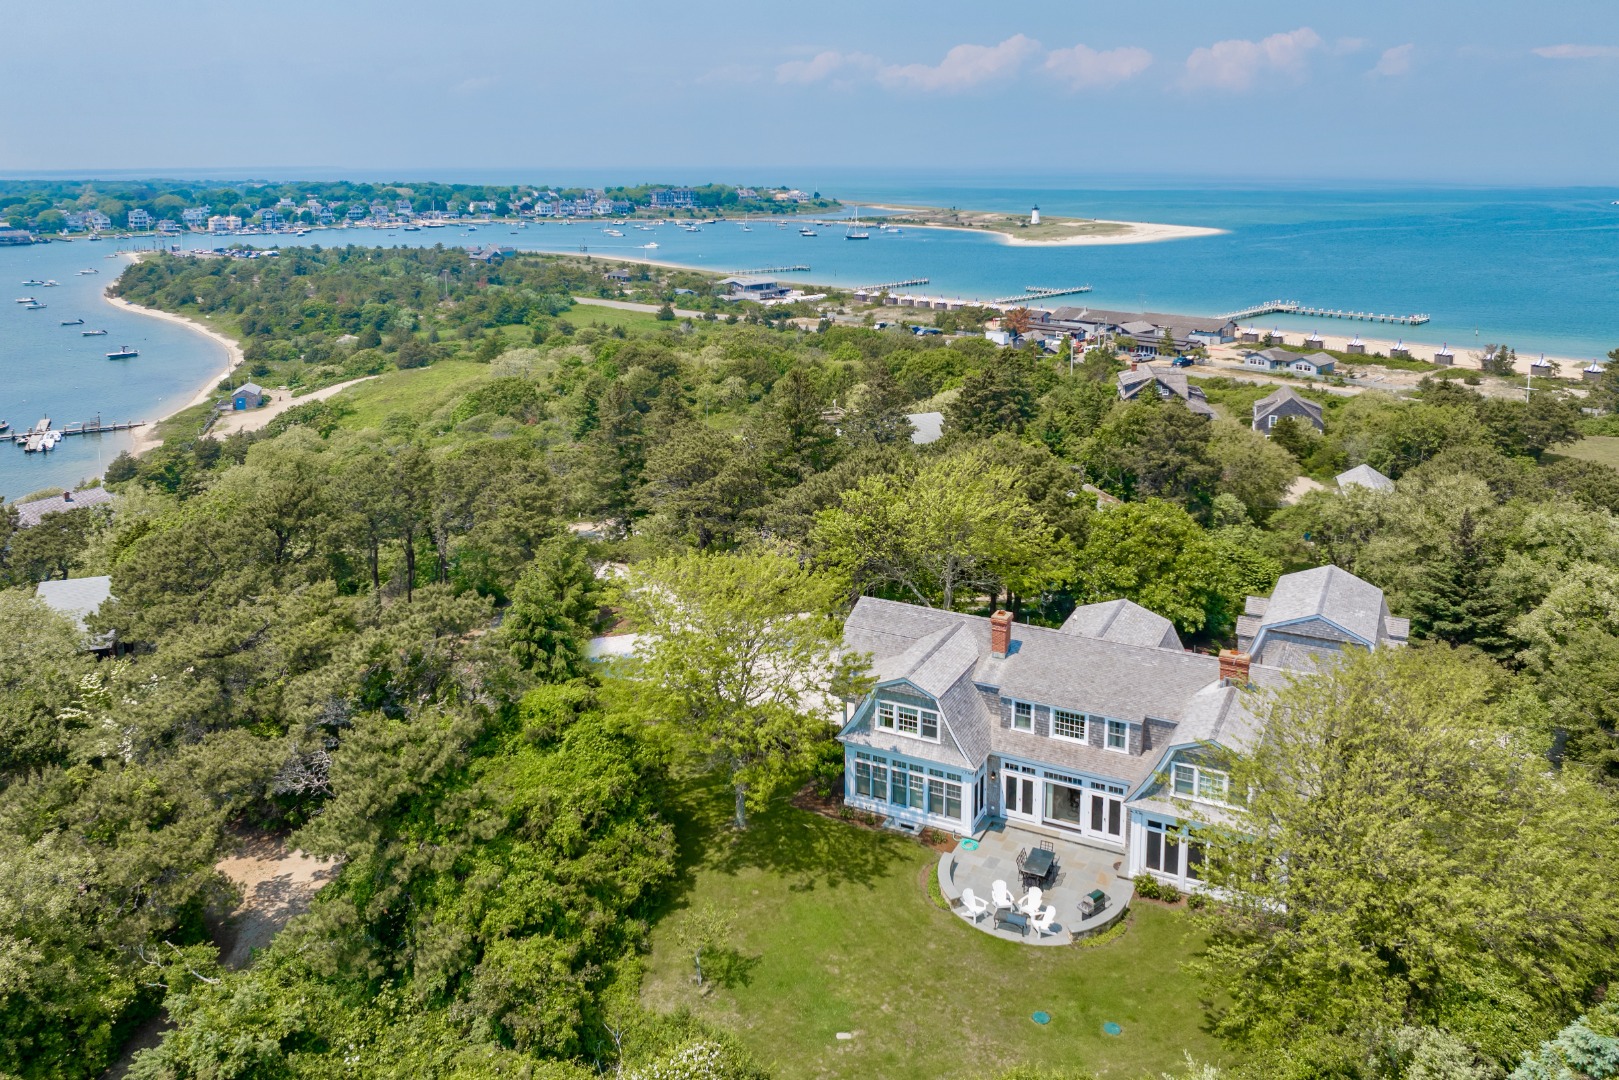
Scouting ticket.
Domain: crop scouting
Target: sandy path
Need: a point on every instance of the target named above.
(630, 305)
(280, 401)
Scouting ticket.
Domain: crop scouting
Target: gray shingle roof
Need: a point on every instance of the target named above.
(1364, 476)
(77, 598)
(1281, 396)
(1330, 593)
(1124, 622)
(29, 513)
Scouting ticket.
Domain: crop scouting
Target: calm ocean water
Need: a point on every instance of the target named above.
(1535, 268)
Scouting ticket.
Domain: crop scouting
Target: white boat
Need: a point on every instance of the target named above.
(89, 270)
(33, 281)
(35, 306)
(807, 231)
(124, 353)
(49, 282)
(746, 229)
(92, 333)
(26, 300)
(649, 247)
(612, 232)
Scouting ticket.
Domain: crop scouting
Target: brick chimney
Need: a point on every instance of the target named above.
(1000, 634)
(1234, 666)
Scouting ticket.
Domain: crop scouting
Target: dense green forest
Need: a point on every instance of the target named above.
(364, 627)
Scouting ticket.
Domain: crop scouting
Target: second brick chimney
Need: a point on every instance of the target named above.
(1234, 666)
(1000, 634)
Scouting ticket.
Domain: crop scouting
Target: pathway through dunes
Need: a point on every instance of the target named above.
(276, 884)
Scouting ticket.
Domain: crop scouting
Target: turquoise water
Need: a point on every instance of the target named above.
(1538, 269)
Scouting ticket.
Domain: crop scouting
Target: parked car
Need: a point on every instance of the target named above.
(1182, 361)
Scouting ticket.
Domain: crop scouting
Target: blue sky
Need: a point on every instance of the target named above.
(1490, 91)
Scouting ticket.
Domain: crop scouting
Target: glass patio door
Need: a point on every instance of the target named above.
(1106, 817)
(1020, 797)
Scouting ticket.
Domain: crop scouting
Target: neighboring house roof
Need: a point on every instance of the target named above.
(1137, 327)
(250, 388)
(1330, 593)
(1319, 360)
(1104, 316)
(929, 427)
(1286, 398)
(1275, 356)
(77, 598)
(1131, 383)
(1124, 622)
(29, 513)
(1364, 476)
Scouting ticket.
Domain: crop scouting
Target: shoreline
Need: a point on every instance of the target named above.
(1565, 367)
(1136, 232)
(146, 438)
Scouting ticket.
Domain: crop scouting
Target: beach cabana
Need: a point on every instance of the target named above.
(1356, 347)
(1592, 371)
(1444, 357)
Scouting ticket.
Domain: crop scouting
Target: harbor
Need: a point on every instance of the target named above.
(42, 436)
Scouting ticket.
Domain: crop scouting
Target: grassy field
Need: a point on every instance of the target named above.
(584, 315)
(836, 933)
(416, 392)
(1602, 449)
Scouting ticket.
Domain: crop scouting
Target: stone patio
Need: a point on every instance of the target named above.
(1081, 868)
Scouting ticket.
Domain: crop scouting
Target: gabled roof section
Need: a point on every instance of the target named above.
(1330, 593)
(1282, 396)
(1125, 622)
(1364, 476)
(935, 663)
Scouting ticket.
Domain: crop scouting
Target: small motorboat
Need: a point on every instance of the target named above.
(72, 322)
(35, 306)
(649, 247)
(807, 231)
(49, 282)
(33, 281)
(93, 333)
(89, 270)
(124, 353)
(26, 300)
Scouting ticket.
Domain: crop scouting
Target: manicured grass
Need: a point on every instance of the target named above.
(835, 932)
(415, 392)
(1602, 449)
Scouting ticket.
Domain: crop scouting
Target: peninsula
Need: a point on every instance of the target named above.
(1035, 228)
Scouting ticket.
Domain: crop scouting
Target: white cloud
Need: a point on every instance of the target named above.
(1082, 66)
(821, 66)
(1578, 52)
(1395, 61)
(1233, 65)
(963, 66)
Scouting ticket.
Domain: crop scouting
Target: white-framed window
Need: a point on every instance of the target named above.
(1194, 781)
(1022, 716)
(908, 720)
(1118, 736)
(1171, 853)
(1068, 725)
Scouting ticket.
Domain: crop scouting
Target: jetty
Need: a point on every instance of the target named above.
(1037, 292)
(761, 271)
(887, 285)
(1293, 307)
(82, 427)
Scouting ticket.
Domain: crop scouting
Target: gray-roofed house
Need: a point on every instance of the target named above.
(78, 599)
(1364, 476)
(1269, 359)
(1314, 365)
(926, 427)
(1167, 383)
(754, 288)
(1285, 402)
(1102, 733)
(30, 513)
(247, 396)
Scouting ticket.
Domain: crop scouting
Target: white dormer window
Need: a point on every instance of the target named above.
(1023, 716)
(1118, 736)
(1068, 725)
(1194, 781)
(885, 715)
(908, 720)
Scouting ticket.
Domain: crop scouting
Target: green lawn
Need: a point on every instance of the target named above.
(836, 933)
(1602, 449)
(583, 315)
(414, 392)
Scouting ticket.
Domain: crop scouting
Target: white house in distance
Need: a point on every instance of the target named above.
(1105, 732)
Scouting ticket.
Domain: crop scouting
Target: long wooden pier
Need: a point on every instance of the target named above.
(771, 270)
(892, 285)
(1037, 292)
(1293, 307)
(82, 427)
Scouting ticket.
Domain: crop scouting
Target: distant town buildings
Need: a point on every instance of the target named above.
(673, 199)
(139, 219)
(196, 217)
(224, 223)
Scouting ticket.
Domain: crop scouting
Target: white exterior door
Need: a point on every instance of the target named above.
(1106, 818)
(1019, 791)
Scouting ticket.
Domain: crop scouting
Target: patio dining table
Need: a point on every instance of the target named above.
(1037, 867)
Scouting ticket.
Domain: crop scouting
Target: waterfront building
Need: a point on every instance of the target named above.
(97, 221)
(754, 288)
(196, 217)
(1285, 402)
(1187, 332)
(224, 223)
(139, 219)
(672, 199)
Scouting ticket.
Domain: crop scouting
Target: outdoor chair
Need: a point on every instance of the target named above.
(973, 906)
(1030, 904)
(1047, 845)
(1023, 853)
(1042, 921)
(1001, 896)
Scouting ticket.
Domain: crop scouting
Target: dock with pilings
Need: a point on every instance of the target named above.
(771, 270)
(1293, 307)
(887, 285)
(1037, 292)
(82, 427)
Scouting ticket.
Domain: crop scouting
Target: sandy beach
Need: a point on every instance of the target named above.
(146, 437)
(1125, 232)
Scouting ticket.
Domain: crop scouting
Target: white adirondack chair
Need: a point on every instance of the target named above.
(1043, 920)
(974, 905)
(1030, 904)
(1001, 896)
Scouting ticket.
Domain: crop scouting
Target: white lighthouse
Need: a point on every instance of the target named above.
(1034, 216)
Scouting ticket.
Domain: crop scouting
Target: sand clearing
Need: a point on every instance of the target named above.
(276, 884)
(279, 402)
(1136, 232)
